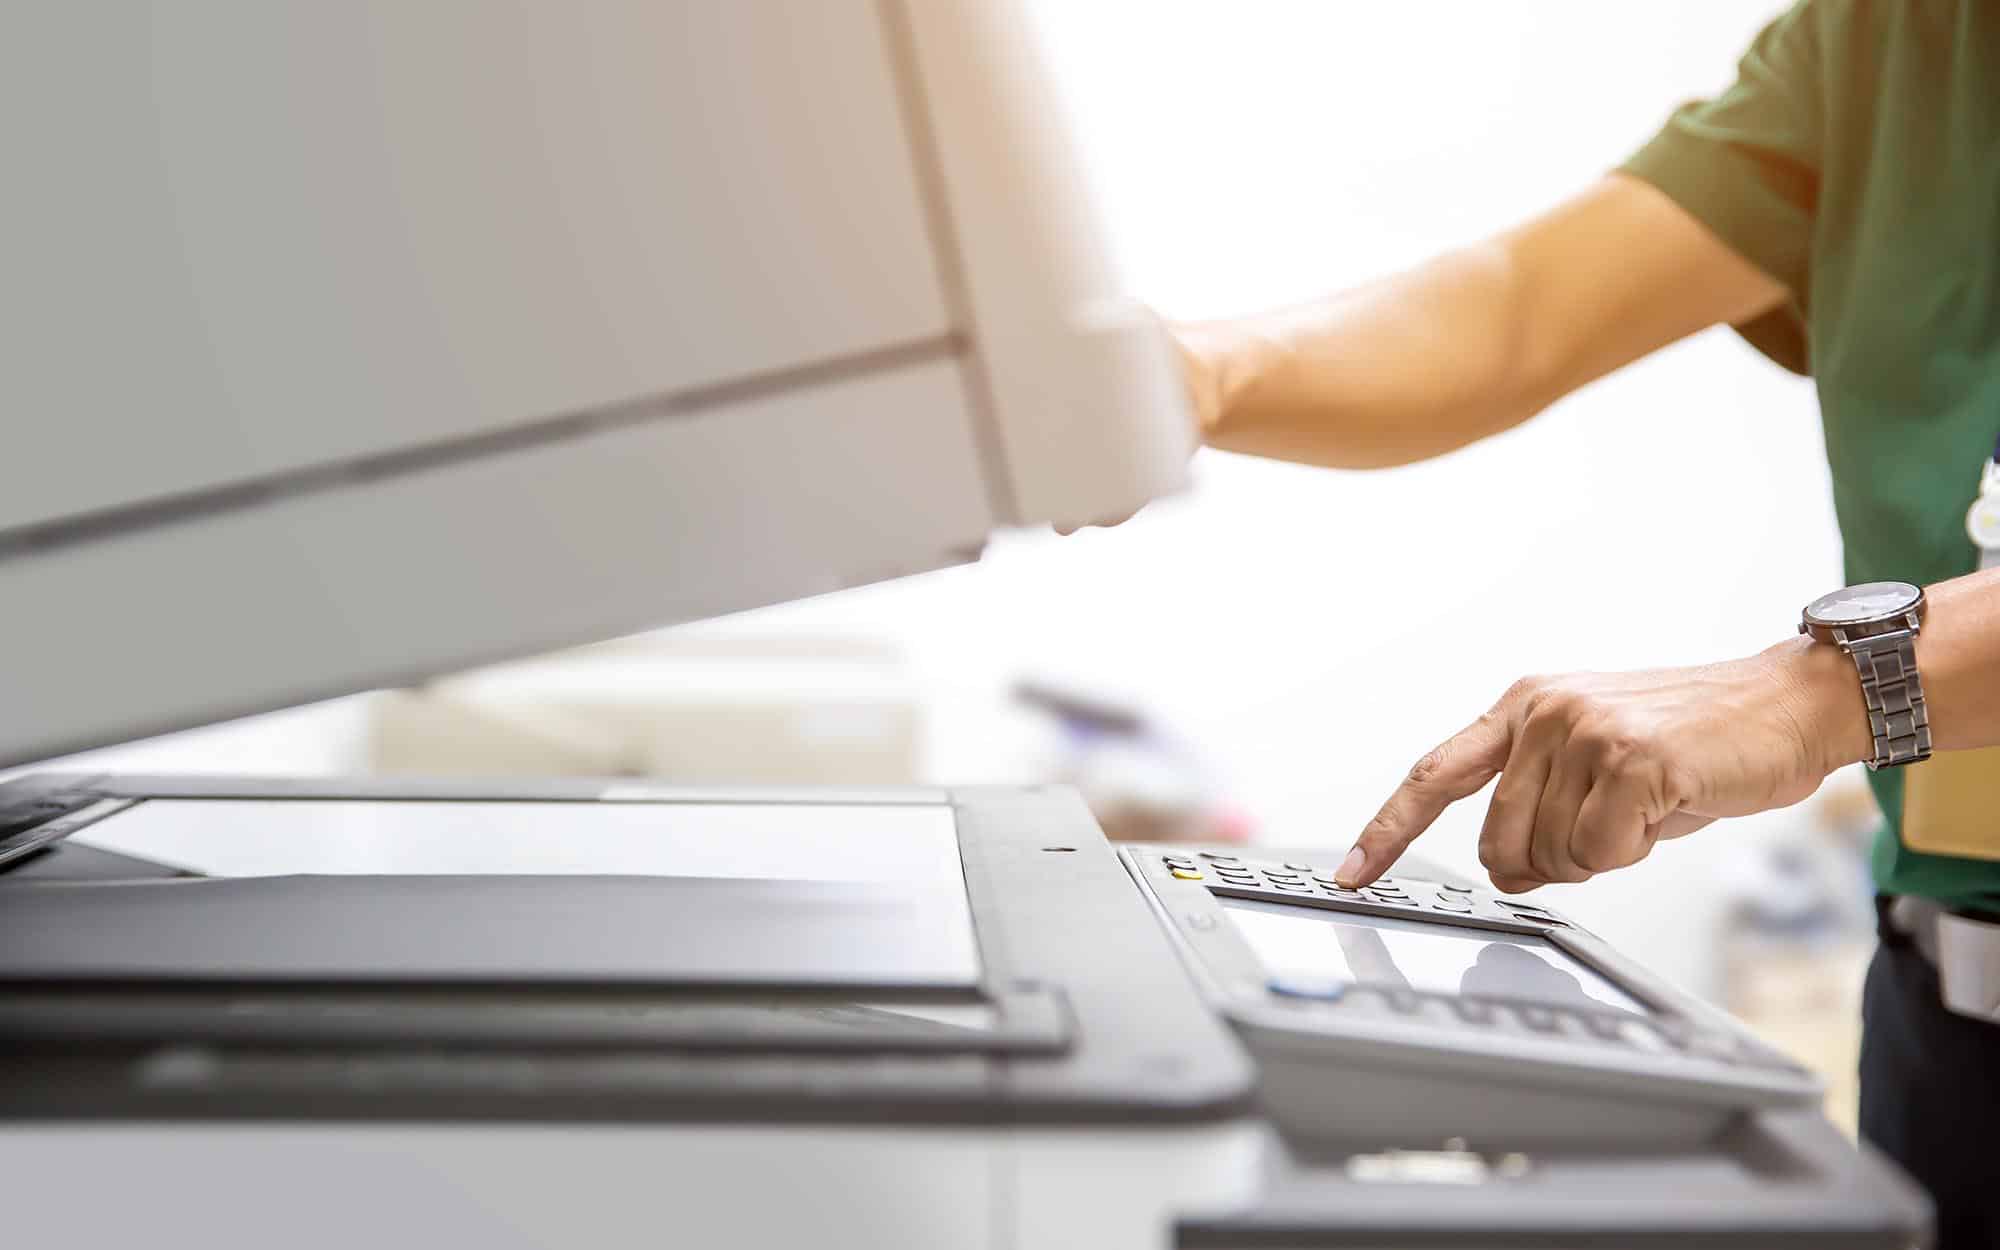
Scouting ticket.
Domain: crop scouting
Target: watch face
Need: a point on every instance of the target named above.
(1858, 605)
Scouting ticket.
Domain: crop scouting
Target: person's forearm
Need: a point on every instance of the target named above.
(1398, 371)
(1473, 342)
(1958, 656)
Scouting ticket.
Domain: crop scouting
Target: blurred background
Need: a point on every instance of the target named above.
(1263, 658)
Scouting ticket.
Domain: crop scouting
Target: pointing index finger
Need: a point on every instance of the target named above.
(1457, 769)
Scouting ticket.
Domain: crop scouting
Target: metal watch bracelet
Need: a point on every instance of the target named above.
(1898, 717)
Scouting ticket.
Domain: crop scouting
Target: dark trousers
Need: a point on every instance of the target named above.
(1930, 1094)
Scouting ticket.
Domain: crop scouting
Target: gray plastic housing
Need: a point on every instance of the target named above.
(1330, 1073)
(1098, 1023)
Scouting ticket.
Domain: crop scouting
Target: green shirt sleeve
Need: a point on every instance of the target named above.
(1746, 165)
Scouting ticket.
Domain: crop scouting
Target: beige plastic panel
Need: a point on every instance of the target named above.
(376, 583)
(242, 236)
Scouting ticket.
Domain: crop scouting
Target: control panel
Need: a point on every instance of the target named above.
(1290, 881)
(1422, 984)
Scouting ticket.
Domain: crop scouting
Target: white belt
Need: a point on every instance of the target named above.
(1965, 952)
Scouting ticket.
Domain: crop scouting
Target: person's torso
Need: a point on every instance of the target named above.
(1903, 320)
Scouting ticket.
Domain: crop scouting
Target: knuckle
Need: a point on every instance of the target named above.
(1527, 687)
(1673, 785)
(1574, 705)
(1428, 769)
(1594, 739)
(1621, 757)
(1594, 855)
(1616, 748)
(1611, 739)
(1502, 863)
(1381, 827)
(1558, 706)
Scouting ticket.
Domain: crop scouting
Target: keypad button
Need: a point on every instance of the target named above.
(1540, 1019)
(1448, 903)
(1325, 989)
(1387, 882)
(1363, 1000)
(1635, 1033)
(1216, 858)
(1605, 1027)
(1457, 889)
(1436, 1011)
(1185, 875)
(1294, 889)
(1299, 867)
(1472, 1011)
(1675, 1030)
(1572, 1026)
(1708, 1044)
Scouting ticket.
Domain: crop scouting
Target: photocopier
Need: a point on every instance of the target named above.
(357, 341)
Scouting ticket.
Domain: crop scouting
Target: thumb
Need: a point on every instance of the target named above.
(1457, 769)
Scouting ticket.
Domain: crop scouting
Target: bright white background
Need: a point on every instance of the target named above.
(1313, 632)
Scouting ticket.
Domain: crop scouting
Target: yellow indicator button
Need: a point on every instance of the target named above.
(1186, 874)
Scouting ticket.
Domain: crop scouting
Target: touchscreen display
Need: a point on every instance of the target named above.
(1433, 958)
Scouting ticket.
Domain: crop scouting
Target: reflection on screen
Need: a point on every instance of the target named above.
(760, 893)
(1434, 958)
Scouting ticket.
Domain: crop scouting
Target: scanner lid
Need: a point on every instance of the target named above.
(650, 312)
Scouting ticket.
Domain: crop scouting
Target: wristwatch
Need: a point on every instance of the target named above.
(1877, 624)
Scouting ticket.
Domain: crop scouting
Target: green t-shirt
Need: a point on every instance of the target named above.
(1857, 160)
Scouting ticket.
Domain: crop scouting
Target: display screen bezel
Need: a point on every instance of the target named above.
(1223, 962)
(1403, 958)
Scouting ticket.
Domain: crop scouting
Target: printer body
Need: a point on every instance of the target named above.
(361, 342)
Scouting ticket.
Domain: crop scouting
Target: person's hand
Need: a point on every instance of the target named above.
(1204, 391)
(1596, 768)
(1198, 350)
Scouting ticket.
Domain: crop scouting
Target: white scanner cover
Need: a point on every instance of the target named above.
(352, 341)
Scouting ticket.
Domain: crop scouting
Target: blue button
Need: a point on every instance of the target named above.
(1305, 987)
